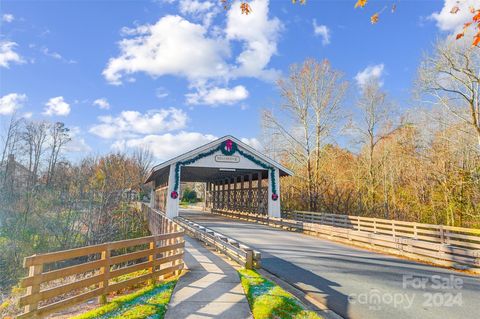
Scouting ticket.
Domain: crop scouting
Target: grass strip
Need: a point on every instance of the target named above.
(150, 302)
(268, 300)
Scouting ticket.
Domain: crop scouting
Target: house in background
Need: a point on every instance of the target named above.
(14, 175)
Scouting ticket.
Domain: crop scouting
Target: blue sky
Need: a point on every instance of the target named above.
(172, 74)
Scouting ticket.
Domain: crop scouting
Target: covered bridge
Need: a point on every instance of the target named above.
(237, 177)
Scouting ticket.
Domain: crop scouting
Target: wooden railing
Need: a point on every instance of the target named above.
(242, 254)
(443, 245)
(156, 220)
(62, 279)
(453, 236)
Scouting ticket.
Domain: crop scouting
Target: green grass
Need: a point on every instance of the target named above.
(268, 300)
(150, 302)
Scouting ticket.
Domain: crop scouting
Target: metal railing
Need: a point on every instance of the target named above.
(242, 254)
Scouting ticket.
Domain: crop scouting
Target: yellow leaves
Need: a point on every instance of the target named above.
(301, 1)
(245, 7)
(361, 3)
(374, 19)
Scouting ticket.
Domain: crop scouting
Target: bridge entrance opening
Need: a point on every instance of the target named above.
(236, 176)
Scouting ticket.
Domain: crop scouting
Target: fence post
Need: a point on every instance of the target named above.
(249, 257)
(105, 271)
(34, 289)
(152, 258)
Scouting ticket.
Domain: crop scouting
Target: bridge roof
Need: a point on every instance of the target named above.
(162, 168)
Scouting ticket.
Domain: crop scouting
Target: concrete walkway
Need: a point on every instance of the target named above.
(211, 287)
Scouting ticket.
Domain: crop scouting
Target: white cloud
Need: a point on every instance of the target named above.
(77, 143)
(204, 10)
(259, 34)
(172, 46)
(168, 145)
(323, 31)
(56, 56)
(102, 103)
(8, 55)
(199, 53)
(372, 72)
(253, 142)
(57, 106)
(161, 92)
(194, 6)
(27, 115)
(8, 17)
(132, 123)
(217, 96)
(446, 21)
(11, 102)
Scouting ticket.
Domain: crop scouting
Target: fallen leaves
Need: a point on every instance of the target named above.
(374, 19)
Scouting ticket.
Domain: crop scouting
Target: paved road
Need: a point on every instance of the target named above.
(355, 283)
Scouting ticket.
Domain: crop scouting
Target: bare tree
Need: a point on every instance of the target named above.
(312, 95)
(451, 77)
(34, 138)
(11, 138)
(59, 137)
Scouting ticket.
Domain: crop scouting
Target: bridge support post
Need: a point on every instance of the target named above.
(172, 203)
(274, 205)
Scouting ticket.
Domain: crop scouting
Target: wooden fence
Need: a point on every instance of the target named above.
(443, 245)
(242, 254)
(59, 280)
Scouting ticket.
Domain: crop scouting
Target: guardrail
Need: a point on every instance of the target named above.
(62, 279)
(242, 254)
(442, 245)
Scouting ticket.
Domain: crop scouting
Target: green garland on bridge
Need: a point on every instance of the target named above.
(227, 148)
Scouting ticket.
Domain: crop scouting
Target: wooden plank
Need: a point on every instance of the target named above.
(130, 269)
(171, 258)
(169, 247)
(67, 303)
(128, 283)
(130, 256)
(60, 290)
(61, 273)
(33, 290)
(63, 255)
(465, 237)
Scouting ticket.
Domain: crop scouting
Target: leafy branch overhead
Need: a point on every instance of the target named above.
(375, 18)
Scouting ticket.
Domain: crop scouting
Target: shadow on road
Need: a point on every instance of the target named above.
(316, 286)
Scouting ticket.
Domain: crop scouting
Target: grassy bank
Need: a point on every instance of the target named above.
(150, 302)
(268, 300)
